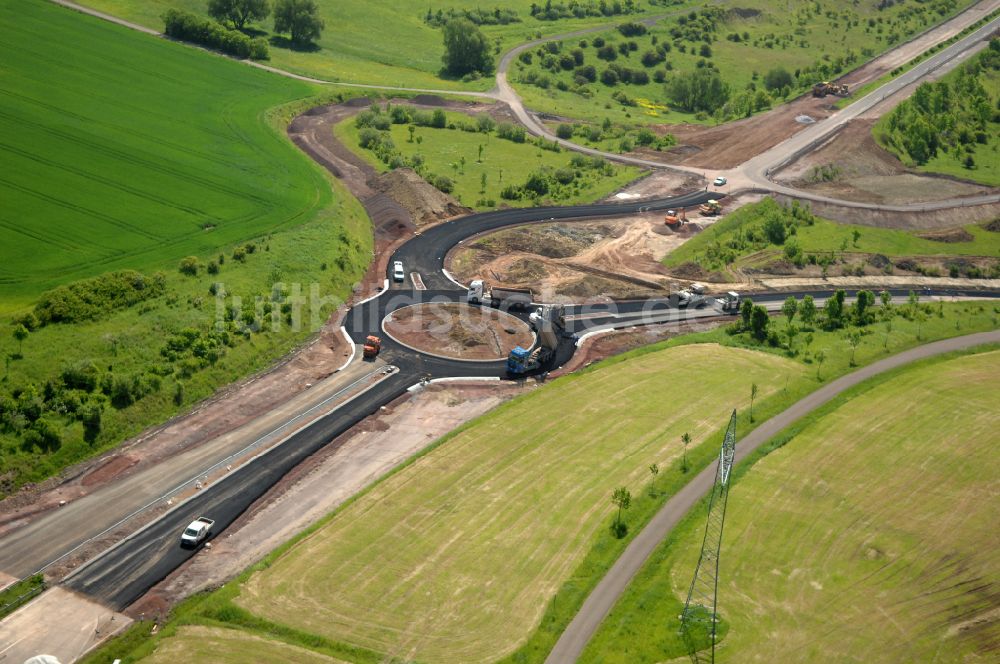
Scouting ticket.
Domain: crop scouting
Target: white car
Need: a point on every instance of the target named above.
(719, 181)
(398, 273)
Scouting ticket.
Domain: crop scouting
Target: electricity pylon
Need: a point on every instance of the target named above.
(700, 617)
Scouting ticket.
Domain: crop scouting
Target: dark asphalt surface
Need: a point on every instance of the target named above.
(607, 592)
(123, 574)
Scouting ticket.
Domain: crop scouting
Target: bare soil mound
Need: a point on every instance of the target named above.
(458, 330)
(425, 203)
(949, 235)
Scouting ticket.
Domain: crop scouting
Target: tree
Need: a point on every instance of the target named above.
(790, 308)
(808, 310)
(622, 498)
(820, 358)
(90, 416)
(774, 229)
(778, 78)
(239, 12)
(686, 439)
(759, 320)
(862, 308)
(853, 340)
(654, 470)
(20, 333)
(886, 298)
(466, 49)
(835, 309)
(856, 235)
(299, 18)
(753, 395)
(698, 90)
(746, 309)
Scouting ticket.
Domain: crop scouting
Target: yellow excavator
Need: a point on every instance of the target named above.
(826, 88)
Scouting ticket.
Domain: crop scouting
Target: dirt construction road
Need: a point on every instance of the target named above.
(606, 594)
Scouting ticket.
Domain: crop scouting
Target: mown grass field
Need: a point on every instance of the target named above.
(407, 51)
(447, 512)
(792, 35)
(118, 147)
(123, 150)
(455, 557)
(503, 163)
(866, 537)
(195, 643)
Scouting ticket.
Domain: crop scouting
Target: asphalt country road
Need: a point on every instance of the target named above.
(607, 592)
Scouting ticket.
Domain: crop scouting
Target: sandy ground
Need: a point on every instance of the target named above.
(325, 481)
(870, 174)
(578, 260)
(458, 330)
(781, 283)
(58, 623)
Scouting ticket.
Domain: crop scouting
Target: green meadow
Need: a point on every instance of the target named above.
(121, 150)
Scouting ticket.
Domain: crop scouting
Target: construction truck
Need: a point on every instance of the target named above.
(372, 347)
(730, 302)
(549, 323)
(711, 208)
(691, 297)
(675, 220)
(512, 298)
(826, 88)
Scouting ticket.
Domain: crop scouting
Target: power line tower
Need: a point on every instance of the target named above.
(700, 617)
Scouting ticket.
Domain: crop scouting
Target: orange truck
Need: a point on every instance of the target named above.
(372, 346)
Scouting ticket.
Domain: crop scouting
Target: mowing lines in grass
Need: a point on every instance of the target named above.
(868, 537)
(455, 557)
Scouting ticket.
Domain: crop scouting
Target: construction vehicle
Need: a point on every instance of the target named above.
(691, 297)
(730, 302)
(196, 532)
(549, 323)
(826, 88)
(711, 208)
(512, 298)
(372, 347)
(675, 220)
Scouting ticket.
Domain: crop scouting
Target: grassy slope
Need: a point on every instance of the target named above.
(319, 231)
(454, 558)
(827, 236)
(737, 62)
(406, 53)
(501, 159)
(834, 547)
(119, 150)
(227, 646)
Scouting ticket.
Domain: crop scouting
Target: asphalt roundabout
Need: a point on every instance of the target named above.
(457, 331)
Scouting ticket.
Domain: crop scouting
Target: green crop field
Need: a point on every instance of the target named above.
(122, 150)
(407, 51)
(739, 240)
(455, 154)
(812, 41)
(455, 557)
(866, 537)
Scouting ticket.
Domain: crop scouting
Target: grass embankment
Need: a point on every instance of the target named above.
(811, 42)
(378, 43)
(134, 152)
(16, 595)
(951, 126)
(401, 524)
(748, 237)
(863, 538)
(463, 153)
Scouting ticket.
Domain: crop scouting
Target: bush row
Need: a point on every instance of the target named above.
(189, 27)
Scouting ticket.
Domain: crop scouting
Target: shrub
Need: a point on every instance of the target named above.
(96, 298)
(189, 266)
(192, 28)
(564, 131)
(444, 184)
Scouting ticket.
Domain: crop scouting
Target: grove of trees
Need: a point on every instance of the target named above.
(466, 49)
